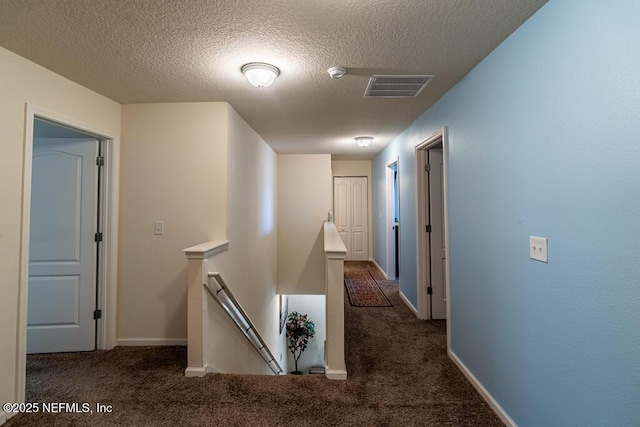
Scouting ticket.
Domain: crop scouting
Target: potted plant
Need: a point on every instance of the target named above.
(299, 330)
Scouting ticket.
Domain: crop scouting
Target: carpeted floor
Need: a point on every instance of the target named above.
(399, 375)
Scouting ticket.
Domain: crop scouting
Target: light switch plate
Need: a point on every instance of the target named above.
(538, 248)
(159, 228)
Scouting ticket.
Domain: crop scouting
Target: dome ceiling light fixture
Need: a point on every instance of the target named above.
(363, 141)
(260, 74)
(337, 72)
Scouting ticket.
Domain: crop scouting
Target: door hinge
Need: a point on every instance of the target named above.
(428, 229)
(99, 161)
(430, 290)
(98, 237)
(97, 314)
(427, 167)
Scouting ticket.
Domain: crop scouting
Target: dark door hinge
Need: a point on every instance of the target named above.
(428, 229)
(427, 167)
(97, 314)
(430, 290)
(99, 161)
(98, 237)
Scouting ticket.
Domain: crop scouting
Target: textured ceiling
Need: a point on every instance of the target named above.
(136, 51)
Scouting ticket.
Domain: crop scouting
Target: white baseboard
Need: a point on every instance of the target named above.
(334, 374)
(142, 342)
(201, 372)
(379, 268)
(195, 372)
(500, 412)
(408, 303)
(4, 416)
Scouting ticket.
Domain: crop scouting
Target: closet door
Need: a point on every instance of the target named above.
(359, 227)
(342, 211)
(350, 206)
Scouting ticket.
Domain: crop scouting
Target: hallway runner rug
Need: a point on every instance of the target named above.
(363, 291)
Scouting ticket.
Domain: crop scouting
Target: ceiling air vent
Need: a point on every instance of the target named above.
(396, 86)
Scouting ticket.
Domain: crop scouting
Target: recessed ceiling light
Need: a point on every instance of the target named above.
(259, 74)
(363, 141)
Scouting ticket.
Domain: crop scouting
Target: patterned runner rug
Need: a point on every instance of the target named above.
(363, 291)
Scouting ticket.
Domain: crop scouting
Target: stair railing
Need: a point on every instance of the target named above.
(232, 307)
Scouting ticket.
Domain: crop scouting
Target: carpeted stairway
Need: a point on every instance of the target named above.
(399, 375)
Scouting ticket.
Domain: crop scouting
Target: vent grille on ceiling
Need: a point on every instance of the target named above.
(396, 86)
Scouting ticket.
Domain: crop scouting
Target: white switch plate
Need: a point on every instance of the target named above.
(159, 228)
(538, 248)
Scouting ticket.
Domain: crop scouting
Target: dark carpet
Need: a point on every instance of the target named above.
(399, 375)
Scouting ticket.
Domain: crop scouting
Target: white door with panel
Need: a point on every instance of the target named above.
(62, 246)
(437, 252)
(351, 207)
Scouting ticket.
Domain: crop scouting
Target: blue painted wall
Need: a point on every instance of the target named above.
(544, 140)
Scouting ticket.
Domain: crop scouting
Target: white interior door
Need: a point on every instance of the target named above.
(62, 249)
(351, 207)
(342, 211)
(359, 223)
(436, 236)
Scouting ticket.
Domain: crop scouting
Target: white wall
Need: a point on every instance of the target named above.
(174, 169)
(23, 81)
(252, 230)
(356, 168)
(304, 198)
(225, 348)
(314, 307)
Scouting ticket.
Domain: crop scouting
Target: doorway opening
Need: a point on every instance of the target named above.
(64, 241)
(432, 248)
(68, 259)
(393, 220)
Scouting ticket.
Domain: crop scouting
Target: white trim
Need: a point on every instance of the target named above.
(5, 416)
(335, 374)
(408, 303)
(379, 269)
(195, 372)
(108, 275)
(142, 342)
(334, 247)
(422, 250)
(206, 250)
(445, 200)
(389, 211)
(201, 372)
(109, 267)
(499, 410)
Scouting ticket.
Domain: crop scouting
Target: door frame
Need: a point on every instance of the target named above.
(422, 241)
(107, 263)
(390, 215)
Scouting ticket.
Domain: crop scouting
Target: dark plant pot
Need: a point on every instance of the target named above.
(296, 373)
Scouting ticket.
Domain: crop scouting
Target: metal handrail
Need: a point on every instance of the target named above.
(242, 320)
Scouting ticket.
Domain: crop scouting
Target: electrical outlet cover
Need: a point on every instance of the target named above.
(538, 248)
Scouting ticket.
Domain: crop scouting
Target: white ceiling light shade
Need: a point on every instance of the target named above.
(363, 141)
(259, 74)
(337, 72)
